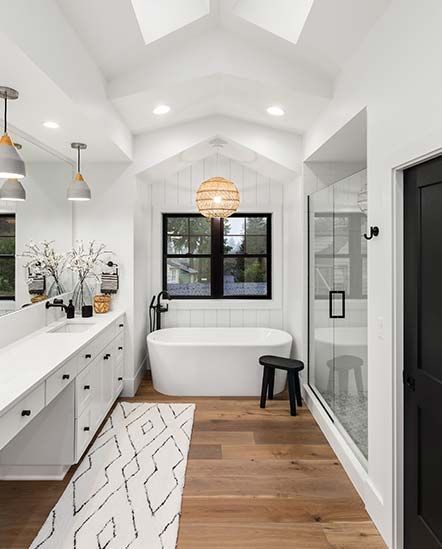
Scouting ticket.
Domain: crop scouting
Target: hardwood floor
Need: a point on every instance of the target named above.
(255, 479)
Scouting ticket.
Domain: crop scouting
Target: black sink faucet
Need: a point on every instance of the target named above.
(57, 303)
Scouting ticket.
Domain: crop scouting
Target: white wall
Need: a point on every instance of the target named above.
(109, 218)
(176, 193)
(394, 74)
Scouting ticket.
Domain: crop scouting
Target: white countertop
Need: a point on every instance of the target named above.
(29, 361)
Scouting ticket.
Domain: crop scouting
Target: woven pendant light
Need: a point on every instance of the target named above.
(217, 196)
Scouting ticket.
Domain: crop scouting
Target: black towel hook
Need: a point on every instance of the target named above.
(374, 231)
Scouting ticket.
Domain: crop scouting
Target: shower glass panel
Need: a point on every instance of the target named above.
(338, 307)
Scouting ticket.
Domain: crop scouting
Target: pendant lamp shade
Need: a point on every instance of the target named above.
(12, 190)
(11, 163)
(217, 197)
(78, 189)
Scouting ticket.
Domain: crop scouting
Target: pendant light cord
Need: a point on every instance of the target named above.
(78, 160)
(6, 115)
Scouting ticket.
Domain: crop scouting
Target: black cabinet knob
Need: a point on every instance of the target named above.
(26, 412)
(87, 356)
(66, 376)
(107, 356)
(86, 387)
(86, 429)
(120, 348)
(121, 325)
(120, 379)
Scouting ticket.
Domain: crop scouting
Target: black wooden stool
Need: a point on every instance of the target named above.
(292, 367)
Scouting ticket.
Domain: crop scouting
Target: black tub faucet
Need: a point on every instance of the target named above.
(155, 311)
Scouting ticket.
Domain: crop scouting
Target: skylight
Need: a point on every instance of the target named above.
(159, 18)
(285, 18)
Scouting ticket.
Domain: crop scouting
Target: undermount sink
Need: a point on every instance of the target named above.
(71, 328)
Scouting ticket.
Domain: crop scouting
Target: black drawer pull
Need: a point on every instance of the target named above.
(65, 376)
(120, 348)
(107, 356)
(87, 356)
(86, 387)
(86, 429)
(121, 325)
(26, 412)
(120, 379)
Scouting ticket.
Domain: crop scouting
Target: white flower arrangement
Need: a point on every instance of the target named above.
(87, 261)
(43, 260)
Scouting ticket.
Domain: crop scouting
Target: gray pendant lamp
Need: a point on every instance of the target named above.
(78, 189)
(11, 163)
(12, 189)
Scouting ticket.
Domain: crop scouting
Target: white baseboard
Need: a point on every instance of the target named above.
(131, 384)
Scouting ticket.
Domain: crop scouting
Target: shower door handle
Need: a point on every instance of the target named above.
(331, 295)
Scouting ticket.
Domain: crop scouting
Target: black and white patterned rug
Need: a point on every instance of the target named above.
(127, 491)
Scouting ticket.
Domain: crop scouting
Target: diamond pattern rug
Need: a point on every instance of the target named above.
(127, 491)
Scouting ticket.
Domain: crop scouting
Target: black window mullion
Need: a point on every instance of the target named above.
(217, 258)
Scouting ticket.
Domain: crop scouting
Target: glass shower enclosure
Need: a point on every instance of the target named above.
(338, 306)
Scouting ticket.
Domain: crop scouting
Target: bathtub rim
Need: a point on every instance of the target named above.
(288, 339)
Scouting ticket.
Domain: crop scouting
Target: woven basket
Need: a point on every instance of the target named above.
(102, 304)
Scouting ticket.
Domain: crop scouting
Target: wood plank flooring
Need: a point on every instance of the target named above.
(255, 479)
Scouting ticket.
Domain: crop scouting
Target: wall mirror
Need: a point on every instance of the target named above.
(42, 222)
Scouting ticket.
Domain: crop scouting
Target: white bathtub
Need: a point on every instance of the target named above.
(214, 361)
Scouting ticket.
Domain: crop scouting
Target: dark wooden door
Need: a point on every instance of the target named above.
(423, 356)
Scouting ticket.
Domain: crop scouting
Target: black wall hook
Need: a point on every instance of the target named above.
(374, 231)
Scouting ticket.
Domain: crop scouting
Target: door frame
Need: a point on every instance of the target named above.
(397, 225)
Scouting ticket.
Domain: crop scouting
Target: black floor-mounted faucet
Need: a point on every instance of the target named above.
(155, 311)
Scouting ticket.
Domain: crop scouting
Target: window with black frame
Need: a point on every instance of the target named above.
(217, 258)
(7, 256)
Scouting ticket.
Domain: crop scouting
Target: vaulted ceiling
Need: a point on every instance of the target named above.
(100, 67)
(228, 57)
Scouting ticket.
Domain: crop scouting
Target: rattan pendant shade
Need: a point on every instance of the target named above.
(217, 197)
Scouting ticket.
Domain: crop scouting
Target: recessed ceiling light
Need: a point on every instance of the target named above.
(274, 110)
(161, 109)
(51, 125)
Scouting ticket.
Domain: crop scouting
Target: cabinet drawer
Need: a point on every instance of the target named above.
(60, 379)
(21, 414)
(86, 387)
(94, 348)
(84, 431)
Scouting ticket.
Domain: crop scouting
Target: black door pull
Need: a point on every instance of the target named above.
(66, 376)
(331, 295)
(410, 382)
(26, 412)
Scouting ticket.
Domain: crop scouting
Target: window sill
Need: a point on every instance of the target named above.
(185, 304)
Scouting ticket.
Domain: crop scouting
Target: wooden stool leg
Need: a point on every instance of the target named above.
(271, 383)
(265, 382)
(298, 389)
(292, 390)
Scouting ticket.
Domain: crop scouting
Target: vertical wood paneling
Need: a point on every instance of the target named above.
(177, 193)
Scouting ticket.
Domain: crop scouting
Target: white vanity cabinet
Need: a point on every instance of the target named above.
(68, 405)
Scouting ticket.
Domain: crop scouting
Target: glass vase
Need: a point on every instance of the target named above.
(82, 298)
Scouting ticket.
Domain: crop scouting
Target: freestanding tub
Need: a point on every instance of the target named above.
(214, 361)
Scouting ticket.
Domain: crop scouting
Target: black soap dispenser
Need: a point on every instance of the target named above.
(70, 310)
